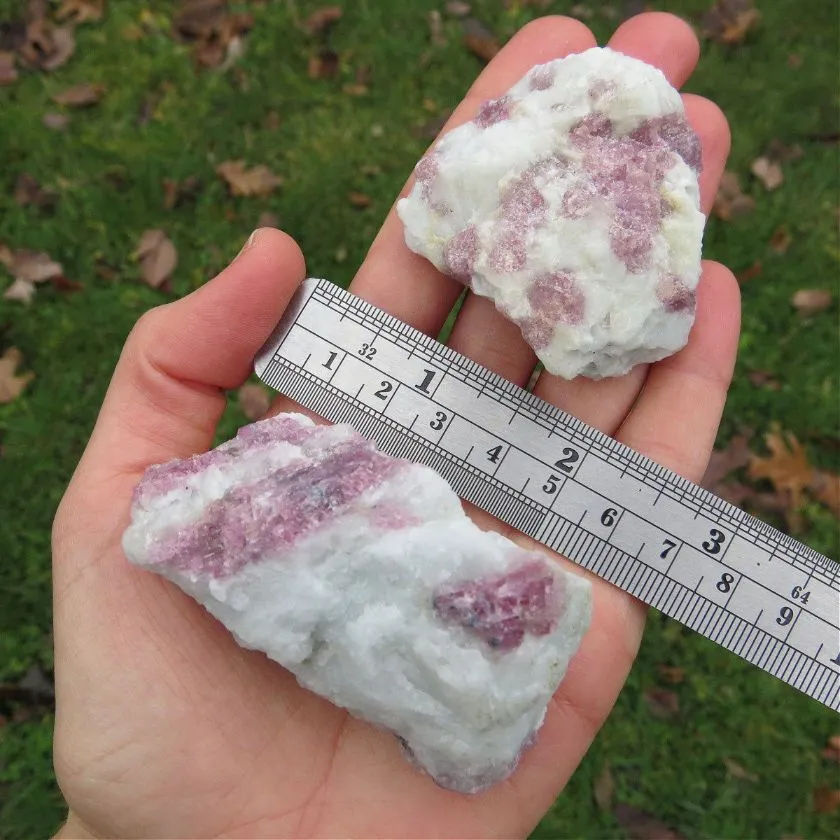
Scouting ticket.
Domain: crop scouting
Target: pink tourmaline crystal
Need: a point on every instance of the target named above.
(585, 169)
(361, 574)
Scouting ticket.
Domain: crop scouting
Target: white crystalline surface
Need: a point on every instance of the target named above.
(361, 574)
(572, 202)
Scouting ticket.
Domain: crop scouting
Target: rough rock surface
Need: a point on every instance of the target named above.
(572, 202)
(361, 574)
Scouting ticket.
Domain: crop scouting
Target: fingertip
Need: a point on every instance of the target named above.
(556, 35)
(268, 244)
(712, 127)
(661, 39)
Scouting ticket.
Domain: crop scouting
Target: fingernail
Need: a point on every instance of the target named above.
(252, 240)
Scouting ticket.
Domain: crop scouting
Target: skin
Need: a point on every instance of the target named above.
(164, 726)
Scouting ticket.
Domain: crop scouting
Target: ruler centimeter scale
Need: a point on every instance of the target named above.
(675, 546)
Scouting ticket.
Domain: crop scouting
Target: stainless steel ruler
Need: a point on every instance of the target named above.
(677, 547)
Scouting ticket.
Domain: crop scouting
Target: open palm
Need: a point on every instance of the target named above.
(165, 727)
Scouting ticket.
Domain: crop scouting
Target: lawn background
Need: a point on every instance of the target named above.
(108, 168)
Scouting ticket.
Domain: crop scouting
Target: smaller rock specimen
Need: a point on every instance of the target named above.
(572, 202)
(361, 574)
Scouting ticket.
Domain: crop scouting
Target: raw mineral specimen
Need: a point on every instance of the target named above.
(572, 202)
(361, 574)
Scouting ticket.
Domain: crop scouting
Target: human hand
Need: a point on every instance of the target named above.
(165, 727)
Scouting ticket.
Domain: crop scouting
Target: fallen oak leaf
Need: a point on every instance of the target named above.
(64, 45)
(730, 201)
(20, 290)
(662, 703)
(826, 800)
(323, 19)
(81, 11)
(55, 121)
(671, 673)
(811, 301)
(831, 751)
(359, 200)
(31, 266)
(737, 771)
(457, 8)
(80, 96)
(769, 172)
(729, 21)
(750, 273)
(640, 825)
(254, 400)
(158, 257)
(8, 71)
(324, 65)
(479, 40)
(603, 791)
(12, 383)
(781, 240)
(787, 467)
(257, 181)
(29, 191)
(734, 456)
(825, 488)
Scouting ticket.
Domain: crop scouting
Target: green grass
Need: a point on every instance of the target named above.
(109, 168)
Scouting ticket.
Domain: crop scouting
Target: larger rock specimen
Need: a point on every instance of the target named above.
(361, 574)
(572, 202)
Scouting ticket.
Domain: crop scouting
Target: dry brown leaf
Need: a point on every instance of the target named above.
(787, 467)
(730, 201)
(55, 121)
(582, 12)
(81, 11)
(671, 673)
(436, 35)
(355, 89)
(457, 8)
(763, 379)
(29, 191)
(825, 488)
(200, 18)
(31, 266)
(769, 172)
(158, 257)
(640, 825)
(178, 193)
(8, 71)
(750, 272)
(729, 21)
(831, 751)
(781, 240)
(604, 789)
(324, 65)
(268, 219)
(20, 290)
(811, 301)
(826, 800)
(722, 462)
(80, 96)
(322, 19)
(359, 200)
(64, 45)
(259, 180)
(254, 400)
(736, 771)
(479, 40)
(12, 383)
(661, 702)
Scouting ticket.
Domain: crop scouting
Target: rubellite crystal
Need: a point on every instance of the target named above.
(572, 202)
(361, 574)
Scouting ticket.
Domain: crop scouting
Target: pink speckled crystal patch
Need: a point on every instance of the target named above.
(502, 610)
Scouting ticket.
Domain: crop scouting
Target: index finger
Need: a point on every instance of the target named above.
(399, 281)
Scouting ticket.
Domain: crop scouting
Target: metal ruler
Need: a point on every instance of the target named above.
(657, 536)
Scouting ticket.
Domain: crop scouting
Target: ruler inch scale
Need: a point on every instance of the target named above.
(674, 545)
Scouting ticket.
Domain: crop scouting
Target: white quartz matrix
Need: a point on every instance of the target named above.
(361, 574)
(572, 202)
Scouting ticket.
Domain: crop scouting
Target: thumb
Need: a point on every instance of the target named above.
(166, 395)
